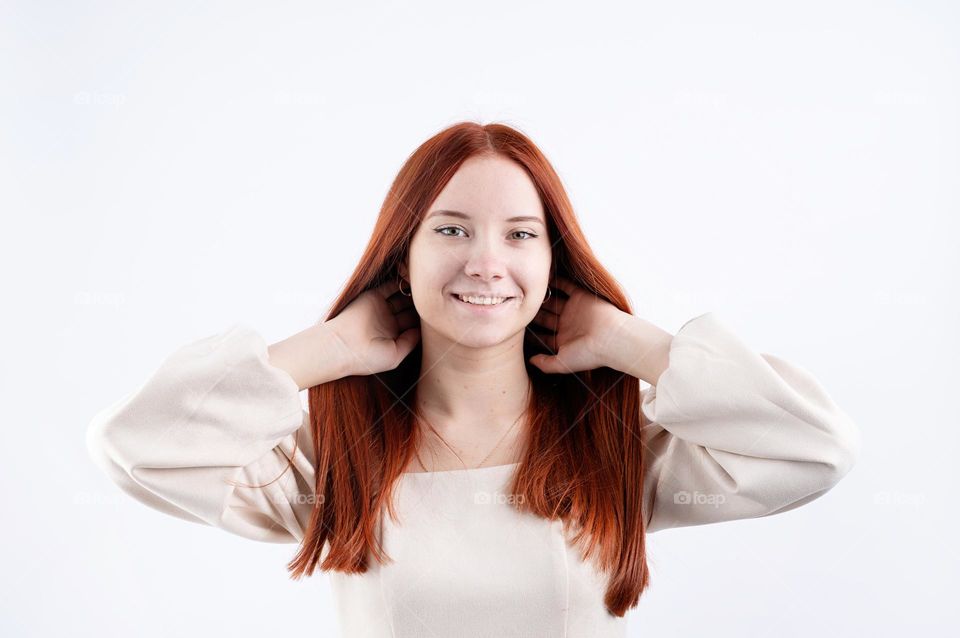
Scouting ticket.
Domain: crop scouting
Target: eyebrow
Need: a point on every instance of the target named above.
(456, 213)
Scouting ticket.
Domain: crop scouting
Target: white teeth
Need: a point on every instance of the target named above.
(482, 301)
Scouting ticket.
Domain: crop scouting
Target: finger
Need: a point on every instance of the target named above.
(391, 287)
(396, 300)
(554, 304)
(537, 328)
(537, 325)
(547, 319)
(545, 340)
(550, 342)
(549, 364)
(406, 342)
(566, 285)
(387, 288)
(538, 332)
(401, 302)
(408, 319)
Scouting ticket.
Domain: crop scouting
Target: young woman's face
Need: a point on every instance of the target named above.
(481, 248)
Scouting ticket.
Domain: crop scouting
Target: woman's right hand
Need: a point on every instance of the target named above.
(379, 328)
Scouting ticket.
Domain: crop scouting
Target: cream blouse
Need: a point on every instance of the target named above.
(732, 434)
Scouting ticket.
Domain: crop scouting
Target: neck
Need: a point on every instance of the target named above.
(472, 394)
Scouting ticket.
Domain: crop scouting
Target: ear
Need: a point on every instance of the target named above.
(402, 267)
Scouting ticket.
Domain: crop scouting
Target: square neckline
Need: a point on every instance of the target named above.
(468, 469)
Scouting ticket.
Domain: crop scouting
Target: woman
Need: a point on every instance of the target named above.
(478, 381)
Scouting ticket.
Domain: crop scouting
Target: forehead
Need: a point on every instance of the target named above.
(490, 187)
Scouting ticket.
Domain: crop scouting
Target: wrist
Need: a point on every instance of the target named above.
(641, 349)
(312, 356)
(332, 358)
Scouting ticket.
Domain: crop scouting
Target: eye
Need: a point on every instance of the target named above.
(455, 228)
(443, 228)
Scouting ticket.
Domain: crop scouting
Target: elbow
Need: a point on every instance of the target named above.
(98, 442)
(107, 431)
(102, 441)
(841, 452)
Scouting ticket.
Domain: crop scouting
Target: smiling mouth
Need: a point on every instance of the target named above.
(457, 298)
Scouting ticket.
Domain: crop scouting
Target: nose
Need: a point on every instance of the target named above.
(484, 263)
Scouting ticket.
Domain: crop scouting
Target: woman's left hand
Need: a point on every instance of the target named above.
(582, 330)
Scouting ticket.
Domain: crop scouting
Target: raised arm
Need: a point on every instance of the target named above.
(731, 433)
(218, 412)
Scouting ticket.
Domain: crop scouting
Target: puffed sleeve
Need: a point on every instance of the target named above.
(215, 416)
(730, 433)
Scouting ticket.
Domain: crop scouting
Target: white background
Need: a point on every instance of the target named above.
(169, 168)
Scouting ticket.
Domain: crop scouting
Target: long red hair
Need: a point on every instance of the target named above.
(583, 462)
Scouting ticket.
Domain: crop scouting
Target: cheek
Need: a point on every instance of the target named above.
(431, 288)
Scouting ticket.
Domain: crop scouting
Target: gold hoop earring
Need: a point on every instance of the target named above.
(400, 285)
